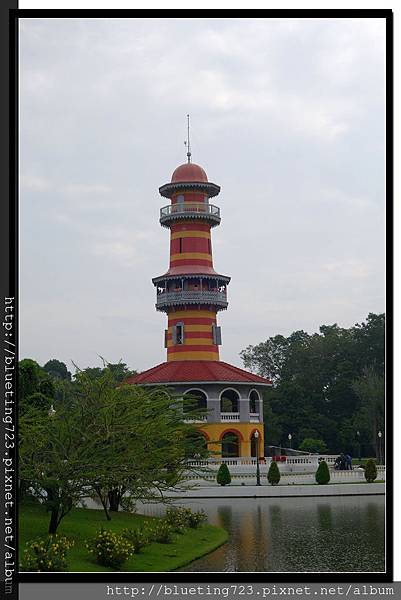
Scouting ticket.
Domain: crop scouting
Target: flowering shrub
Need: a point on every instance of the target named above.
(180, 518)
(46, 554)
(138, 538)
(194, 519)
(110, 549)
(160, 531)
(177, 518)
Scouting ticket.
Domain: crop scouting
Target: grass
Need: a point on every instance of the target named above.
(81, 524)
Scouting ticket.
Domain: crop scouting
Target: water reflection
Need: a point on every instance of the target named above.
(294, 534)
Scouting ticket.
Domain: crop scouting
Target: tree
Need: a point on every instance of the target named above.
(322, 474)
(370, 416)
(313, 395)
(370, 470)
(223, 475)
(273, 475)
(109, 441)
(28, 377)
(313, 445)
(57, 369)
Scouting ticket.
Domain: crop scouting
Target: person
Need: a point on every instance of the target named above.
(342, 461)
(337, 464)
(348, 462)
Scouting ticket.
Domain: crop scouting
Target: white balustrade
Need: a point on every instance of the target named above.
(230, 416)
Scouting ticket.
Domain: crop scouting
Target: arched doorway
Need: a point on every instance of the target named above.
(230, 445)
(229, 401)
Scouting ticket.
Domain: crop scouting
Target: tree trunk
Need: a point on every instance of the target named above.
(54, 520)
(114, 500)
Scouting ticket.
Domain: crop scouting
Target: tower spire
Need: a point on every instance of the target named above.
(188, 143)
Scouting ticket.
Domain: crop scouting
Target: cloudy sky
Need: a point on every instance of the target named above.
(287, 117)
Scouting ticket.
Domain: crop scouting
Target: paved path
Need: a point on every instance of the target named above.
(269, 491)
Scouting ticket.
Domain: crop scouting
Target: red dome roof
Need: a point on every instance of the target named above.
(189, 172)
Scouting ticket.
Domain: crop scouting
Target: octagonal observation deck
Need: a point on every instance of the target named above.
(190, 210)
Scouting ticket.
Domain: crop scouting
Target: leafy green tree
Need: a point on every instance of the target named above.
(28, 377)
(313, 375)
(370, 470)
(57, 369)
(313, 445)
(322, 474)
(369, 418)
(223, 475)
(273, 475)
(110, 441)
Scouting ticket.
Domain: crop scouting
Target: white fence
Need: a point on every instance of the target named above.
(293, 470)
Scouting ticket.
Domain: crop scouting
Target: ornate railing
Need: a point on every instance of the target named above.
(190, 209)
(192, 297)
(230, 416)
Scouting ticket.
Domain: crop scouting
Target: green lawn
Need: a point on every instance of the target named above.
(81, 525)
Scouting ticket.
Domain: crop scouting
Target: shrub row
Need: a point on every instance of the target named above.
(322, 475)
(108, 548)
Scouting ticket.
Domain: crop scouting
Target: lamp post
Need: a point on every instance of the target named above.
(289, 440)
(256, 434)
(359, 445)
(379, 435)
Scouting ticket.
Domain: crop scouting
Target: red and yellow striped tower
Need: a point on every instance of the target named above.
(191, 292)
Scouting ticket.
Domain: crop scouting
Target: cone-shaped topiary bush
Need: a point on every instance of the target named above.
(322, 474)
(370, 470)
(223, 475)
(273, 475)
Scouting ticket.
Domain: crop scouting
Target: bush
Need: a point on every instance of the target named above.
(223, 475)
(180, 518)
(370, 470)
(46, 554)
(110, 549)
(160, 531)
(273, 475)
(177, 518)
(313, 445)
(322, 474)
(194, 519)
(138, 538)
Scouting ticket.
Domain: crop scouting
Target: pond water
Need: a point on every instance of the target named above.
(293, 534)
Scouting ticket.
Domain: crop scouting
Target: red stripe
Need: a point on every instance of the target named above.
(193, 320)
(192, 261)
(183, 348)
(194, 334)
(192, 244)
(181, 226)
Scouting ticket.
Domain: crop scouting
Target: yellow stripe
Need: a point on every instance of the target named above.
(189, 255)
(192, 313)
(193, 356)
(194, 328)
(195, 234)
(194, 342)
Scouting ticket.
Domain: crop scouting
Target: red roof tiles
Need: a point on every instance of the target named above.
(199, 371)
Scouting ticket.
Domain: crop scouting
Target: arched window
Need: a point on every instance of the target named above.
(254, 402)
(194, 400)
(230, 445)
(229, 401)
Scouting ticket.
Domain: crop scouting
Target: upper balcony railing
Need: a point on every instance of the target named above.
(216, 298)
(192, 210)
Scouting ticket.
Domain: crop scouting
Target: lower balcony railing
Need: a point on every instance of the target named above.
(230, 416)
(192, 297)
